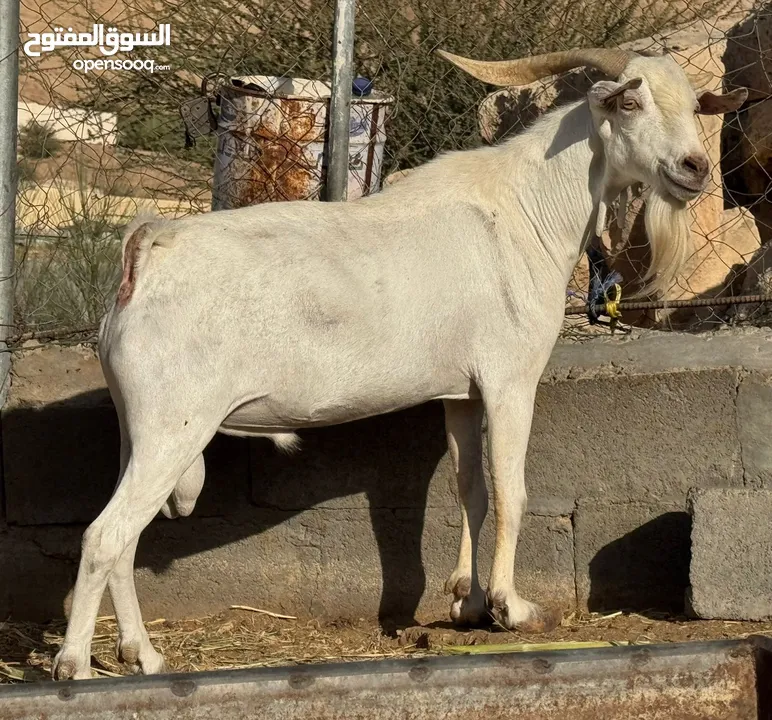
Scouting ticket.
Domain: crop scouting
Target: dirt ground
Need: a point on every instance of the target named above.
(239, 638)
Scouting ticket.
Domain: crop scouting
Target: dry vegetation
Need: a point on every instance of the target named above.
(242, 639)
(151, 169)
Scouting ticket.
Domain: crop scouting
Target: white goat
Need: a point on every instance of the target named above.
(450, 285)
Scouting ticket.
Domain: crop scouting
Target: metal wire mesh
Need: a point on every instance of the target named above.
(97, 145)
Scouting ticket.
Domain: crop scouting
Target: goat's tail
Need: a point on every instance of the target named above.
(141, 235)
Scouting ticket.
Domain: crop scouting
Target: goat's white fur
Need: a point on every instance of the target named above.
(449, 285)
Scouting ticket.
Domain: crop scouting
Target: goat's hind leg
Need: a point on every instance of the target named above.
(150, 476)
(134, 647)
(463, 423)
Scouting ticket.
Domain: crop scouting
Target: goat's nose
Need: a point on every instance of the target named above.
(697, 165)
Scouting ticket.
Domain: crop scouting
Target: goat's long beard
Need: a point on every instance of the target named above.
(667, 223)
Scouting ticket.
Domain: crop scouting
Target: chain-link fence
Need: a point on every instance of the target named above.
(97, 144)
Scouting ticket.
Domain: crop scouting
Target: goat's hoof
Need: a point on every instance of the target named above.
(127, 652)
(153, 663)
(460, 586)
(70, 666)
(466, 612)
(468, 608)
(139, 660)
(470, 611)
(543, 621)
(514, 613)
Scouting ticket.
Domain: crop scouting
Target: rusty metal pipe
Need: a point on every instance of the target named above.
(713, 302)
(718, 680)
(340, 100)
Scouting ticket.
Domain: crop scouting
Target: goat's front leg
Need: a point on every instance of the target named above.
(510, 410)
(463, 424)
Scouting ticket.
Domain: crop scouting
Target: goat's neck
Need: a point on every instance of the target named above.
(556, 178)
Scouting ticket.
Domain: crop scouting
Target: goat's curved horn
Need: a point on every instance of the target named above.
(610, 62)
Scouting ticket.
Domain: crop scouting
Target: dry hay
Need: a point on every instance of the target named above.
(241, 638)
(229, 640)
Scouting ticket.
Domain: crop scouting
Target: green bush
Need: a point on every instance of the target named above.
(37, 141)
(69, 279)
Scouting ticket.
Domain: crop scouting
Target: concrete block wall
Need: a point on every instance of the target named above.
(363, 522)
(730, 575)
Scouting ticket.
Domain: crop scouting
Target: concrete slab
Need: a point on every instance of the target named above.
(61, 465)
(754, 416)
(646, 352)
(320, 563)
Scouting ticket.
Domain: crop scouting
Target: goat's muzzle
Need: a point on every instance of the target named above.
(687, 179)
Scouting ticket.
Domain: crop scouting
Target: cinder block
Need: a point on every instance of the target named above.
(396, 461)
(335, 563)
(544, 566)
(731, 566)
(60, 461)
(262, 558)
(635, 438)
(631, 556)
(61, 444)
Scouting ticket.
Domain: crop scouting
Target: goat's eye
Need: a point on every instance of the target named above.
(629, 104)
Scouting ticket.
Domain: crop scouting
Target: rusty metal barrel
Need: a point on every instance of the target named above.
(272, 141)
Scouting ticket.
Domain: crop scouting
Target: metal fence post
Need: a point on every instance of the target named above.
(340, 100)
(9, 88)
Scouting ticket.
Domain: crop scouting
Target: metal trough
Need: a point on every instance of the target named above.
(731, 680)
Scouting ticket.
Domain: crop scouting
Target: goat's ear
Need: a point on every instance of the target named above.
(604, 94)
(712, 104)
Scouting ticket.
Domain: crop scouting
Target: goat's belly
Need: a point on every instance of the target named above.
(254, 418)
(267, 415)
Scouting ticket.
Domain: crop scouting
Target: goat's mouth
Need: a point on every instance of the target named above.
(682, 188)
